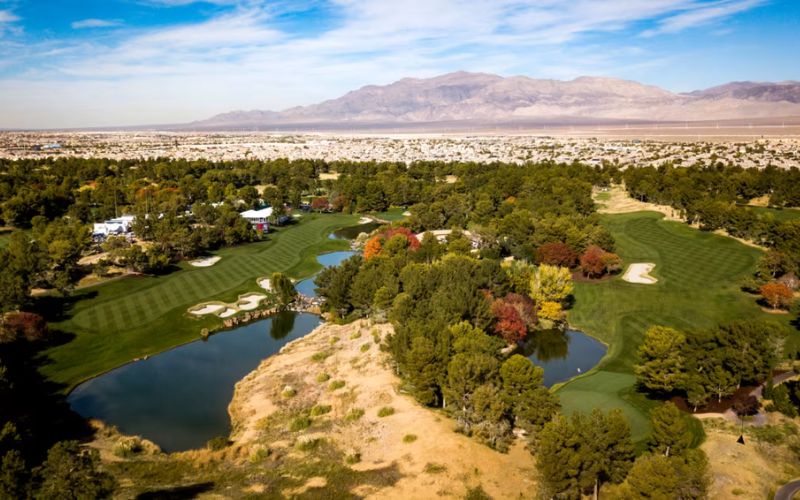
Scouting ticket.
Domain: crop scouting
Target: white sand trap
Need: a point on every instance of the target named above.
(250, 301)
(207, 309)
(265, 284)
(206, 262)
(407, 214)
(364, 220)
(640, 273)
(229, 311)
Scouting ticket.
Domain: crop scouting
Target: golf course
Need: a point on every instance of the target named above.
(698, 278)
(132, 317)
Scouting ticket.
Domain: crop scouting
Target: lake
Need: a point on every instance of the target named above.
(563, 354)
(179, 399)
(306, 286)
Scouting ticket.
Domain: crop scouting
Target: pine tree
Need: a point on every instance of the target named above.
(662, 366)
(671, 434)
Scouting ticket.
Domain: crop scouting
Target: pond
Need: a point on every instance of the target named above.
(563, 354)
(352, 232)
(179, 399)
(306, 286)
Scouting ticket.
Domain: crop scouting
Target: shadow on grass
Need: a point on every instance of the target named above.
(55, 308)
(178, 492)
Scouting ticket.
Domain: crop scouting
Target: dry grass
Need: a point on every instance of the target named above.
(378, 439)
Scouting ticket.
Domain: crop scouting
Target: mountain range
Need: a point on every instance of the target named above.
(464, 97)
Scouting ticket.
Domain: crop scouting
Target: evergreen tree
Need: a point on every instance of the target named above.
(662, 359)
(671, 433)
(283, 288)
(71, 473)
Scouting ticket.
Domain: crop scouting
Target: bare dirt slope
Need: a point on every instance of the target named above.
(430, 457)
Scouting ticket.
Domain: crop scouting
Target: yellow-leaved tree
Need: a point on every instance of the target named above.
(551, 284)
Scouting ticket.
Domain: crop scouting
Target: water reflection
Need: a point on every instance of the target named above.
(563, 355)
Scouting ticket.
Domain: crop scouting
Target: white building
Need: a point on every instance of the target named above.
(113, 227)
(258, 218)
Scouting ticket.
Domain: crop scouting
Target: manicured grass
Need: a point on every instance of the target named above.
(133, 317)
(393, 214)
(781, 214)
(698, 274)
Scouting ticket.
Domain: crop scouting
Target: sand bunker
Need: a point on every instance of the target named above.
(364, 220)
(229, 311)
(265, 284)
(206, 262)
(250, 301)
(207, 309)
(640, 273)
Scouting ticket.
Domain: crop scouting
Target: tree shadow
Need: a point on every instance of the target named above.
(55, 308)
(177, 493)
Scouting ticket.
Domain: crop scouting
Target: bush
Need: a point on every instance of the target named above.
(300, 423)
(353, 458)
(320, 410)
(365, 347)
(335, 385)
(23, 326)
(432, 468)
(321, 356)
(309, 444)
(354, 414)
(323, 377)
(386, 411)
(476, 493)
(289, 392)
(218, 443)
(128, 447)
(409, 438)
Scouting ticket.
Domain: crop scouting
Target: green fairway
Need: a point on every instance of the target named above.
(133, 317)
(392, 215)
(698, 286)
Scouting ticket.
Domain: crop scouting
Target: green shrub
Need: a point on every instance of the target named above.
(308, 444)
(334, 340)
(260, 454)
(318, 410)
(335, 385)
(365, 347)
(352, 458)
(385, 411)
(321, 356)
(323, 377)
(409, 438)
(218, 443)
(432, 468)
(355, 335)
(476, 493)
(354, 414)
(289, 392)
(300, 423)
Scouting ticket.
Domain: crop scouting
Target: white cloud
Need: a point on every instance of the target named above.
(242, 59)
(95, 23)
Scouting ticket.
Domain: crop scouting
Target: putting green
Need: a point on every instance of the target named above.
(698, 274)
(114, 323)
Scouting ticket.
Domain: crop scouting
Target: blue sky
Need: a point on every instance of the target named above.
(80, 63)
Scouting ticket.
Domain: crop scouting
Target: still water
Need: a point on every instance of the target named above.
(563, 354)
(179, 399)
(306, 287)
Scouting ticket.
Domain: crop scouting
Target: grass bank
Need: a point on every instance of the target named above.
(698, 274)
(114, 323)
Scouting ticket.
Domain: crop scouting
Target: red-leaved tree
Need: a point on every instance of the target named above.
(592, 262)
(320, 203)
(22, 325)
(556, 254)
(515, 315)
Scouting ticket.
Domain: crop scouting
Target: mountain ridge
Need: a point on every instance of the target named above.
(484, 97)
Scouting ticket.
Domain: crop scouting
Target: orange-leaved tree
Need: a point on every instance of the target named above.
(777, 295)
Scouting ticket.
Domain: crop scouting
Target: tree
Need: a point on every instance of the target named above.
(671, 433)
(531, 403)
(320, 204)
(515, 316)
(556, 254)
(284, 289)
(578, 455)
(70, 472)
(373, 247)
(592, 262)
(22, 325)
(777, 295)
(551, 284)
(662, 359)
(660, 477)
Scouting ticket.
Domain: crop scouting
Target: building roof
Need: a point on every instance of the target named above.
(257, 214)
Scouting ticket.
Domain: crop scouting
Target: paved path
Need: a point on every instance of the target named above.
(788, 490)
(759, 419)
